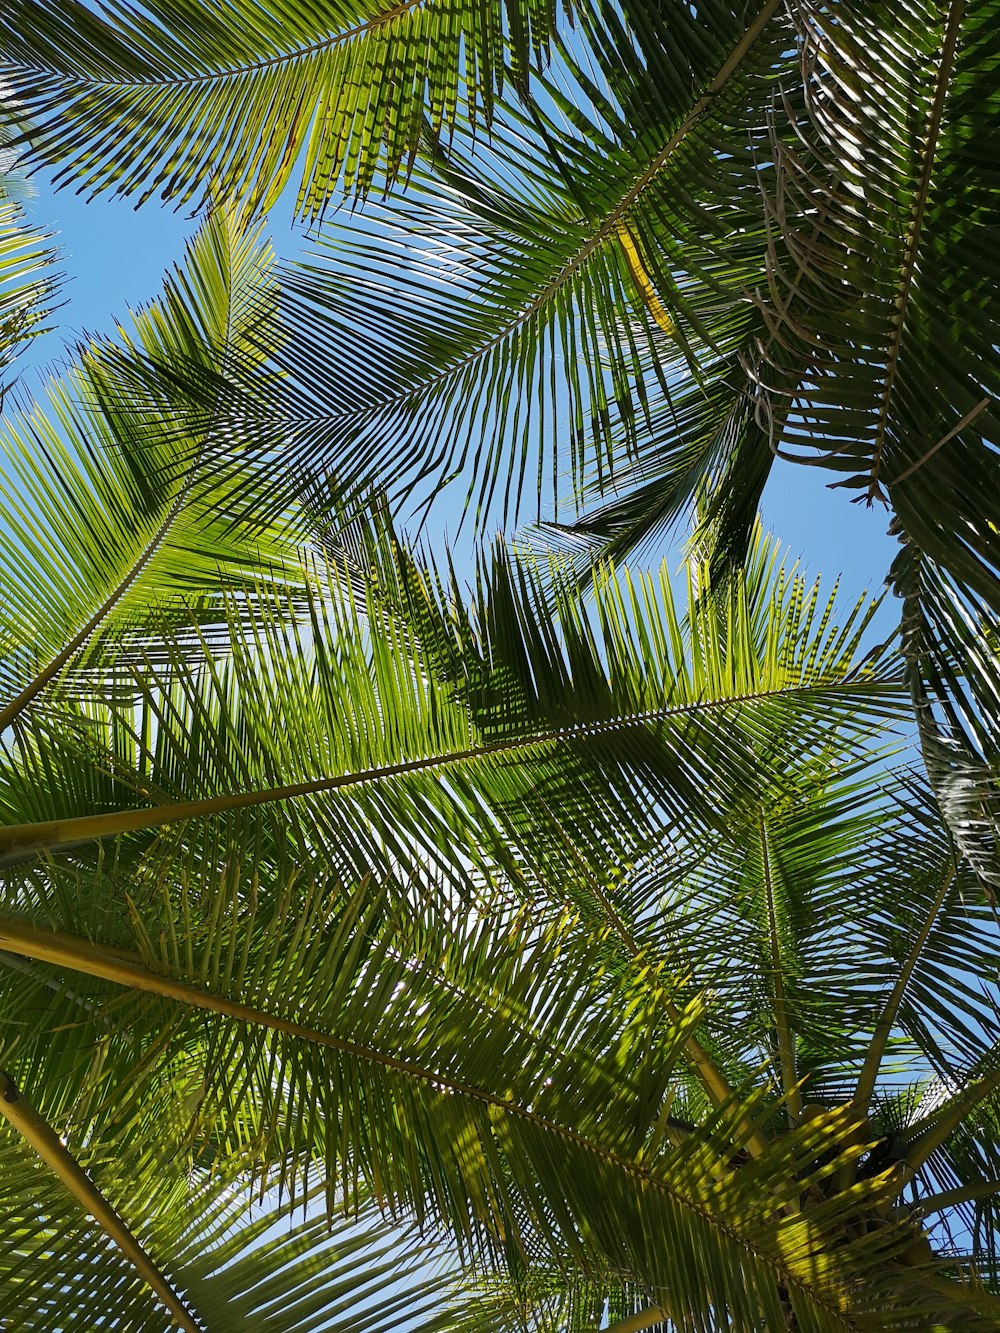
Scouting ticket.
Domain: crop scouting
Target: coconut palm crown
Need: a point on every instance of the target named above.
(543, 941)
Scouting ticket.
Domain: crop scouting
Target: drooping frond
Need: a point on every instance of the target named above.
(512, 303)
(880, 282)
(949, 640)
(441, 1119)
(181, 98)
(50, 1149)
(262, 1264)
(880, 355)
(298, 981)
(517, 689)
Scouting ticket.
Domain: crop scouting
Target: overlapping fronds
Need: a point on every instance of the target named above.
(594, 937)
(178, 98)
(257, 1263)
(565, 1075)
(878, 354)
(883, 223)
(526, 294)
(515, 689)
(112, 525)
(392, 1072)
(879, 360)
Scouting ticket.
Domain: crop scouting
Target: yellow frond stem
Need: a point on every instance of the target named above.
(39, 1134)
(642, 279)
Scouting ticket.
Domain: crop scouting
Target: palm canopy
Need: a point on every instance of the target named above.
(524, 295)
(623, 1021)
(693, 249)
(27, 278)
(662, 1035)
(697, 240)
(597, 939)
(694, 168)
(135, 539)
(726, 176)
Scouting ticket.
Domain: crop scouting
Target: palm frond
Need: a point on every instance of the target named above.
(41, 1137)
(881, 288)
(948, 641)
(27, 283)
(111, 531)
(875, 358)
(12, 183)
(177, 99)
(526, 694)
(493, 313)
(512, 1072)
(879, 282)
(268, 1263)
(472, 1149)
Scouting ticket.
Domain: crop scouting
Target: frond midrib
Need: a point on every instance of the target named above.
(11, 711)
(138, 976)
(908, 268)
(288, 57)
(18, 840)
(141, 560)
(604, 231)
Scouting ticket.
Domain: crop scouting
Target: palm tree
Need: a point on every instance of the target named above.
(666, 1041)
(568, 960)
(697, 239)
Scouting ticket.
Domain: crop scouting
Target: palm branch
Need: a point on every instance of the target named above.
(596, 936)
(260, 1261)
(880, 303)
(497, 312)
(179, 99)
(505, 1099)
(110, 526)
(27, 283)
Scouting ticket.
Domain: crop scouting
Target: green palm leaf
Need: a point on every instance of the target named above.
(112, 529)
(521, 1073)
(882, 283)
(267, 1264)
(500, 311)
(881, 289)
(520, 691)
(438, 1140)
(176, 98)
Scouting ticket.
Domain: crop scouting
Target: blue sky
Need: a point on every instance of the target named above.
(114, 257)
